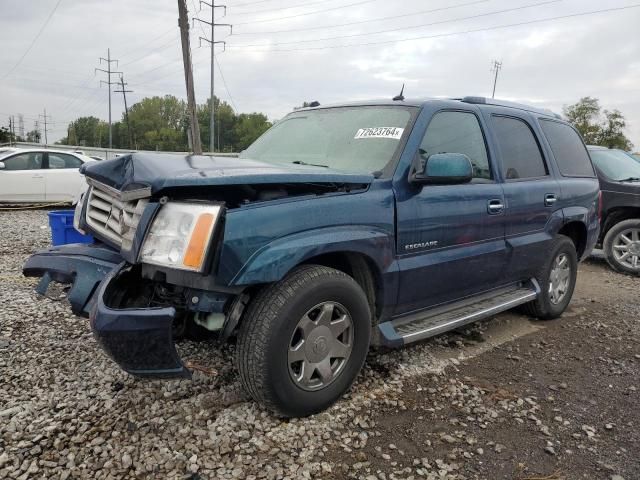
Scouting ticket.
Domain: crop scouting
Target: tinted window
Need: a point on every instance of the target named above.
(23, 161)
(62, 160)
(457, 132)
(521, 157)
(569, 151)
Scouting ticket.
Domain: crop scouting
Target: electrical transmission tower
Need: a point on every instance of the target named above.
(21, 126)
(496, 66)
(46, 131)
(213, 43)
(126, 109)
(109, 72)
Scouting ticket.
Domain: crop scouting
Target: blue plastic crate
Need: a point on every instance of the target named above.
(62, 231)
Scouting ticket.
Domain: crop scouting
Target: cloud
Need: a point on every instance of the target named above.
(550, 64)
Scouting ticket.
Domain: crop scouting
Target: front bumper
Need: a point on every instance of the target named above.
(84, 266)
(140, 340)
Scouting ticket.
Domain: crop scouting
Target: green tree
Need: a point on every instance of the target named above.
(33, 136)
(152, 119)
(248, 128)
(596, 127)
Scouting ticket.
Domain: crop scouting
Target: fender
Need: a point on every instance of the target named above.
(274, 260)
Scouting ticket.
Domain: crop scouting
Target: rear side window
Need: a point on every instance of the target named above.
(521, 156)
(62, 160)
(569, 151)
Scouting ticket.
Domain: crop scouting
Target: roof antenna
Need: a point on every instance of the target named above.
(399, 98)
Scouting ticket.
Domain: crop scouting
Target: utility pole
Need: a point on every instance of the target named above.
(212, 42)
(45, 116)
(183, 23)
(108, 71)
(126, 109)
(496, 67)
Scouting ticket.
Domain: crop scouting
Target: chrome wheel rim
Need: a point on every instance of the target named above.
(626, 248)
(320, 346)
(559, 278)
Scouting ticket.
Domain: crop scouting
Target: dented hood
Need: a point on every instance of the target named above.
(161, 171)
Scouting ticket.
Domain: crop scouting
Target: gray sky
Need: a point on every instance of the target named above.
(284, 52)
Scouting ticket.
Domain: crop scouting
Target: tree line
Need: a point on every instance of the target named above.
(161, 123)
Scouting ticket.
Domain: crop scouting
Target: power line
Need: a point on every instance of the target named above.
(451, 34)
(362, 2)
(391, 30)
(360, 22)
(35, 39)
(290, 7)
(224, 82)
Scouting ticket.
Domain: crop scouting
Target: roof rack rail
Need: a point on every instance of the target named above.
(505, 103)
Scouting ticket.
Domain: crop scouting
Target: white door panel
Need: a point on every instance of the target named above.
(63, 178)
(22, 180)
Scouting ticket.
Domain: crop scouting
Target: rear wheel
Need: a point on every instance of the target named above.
(622, 246)
(557, 280)
(304, 340)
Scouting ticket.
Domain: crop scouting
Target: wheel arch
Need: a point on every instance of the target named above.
(617, 215)
(577, 232)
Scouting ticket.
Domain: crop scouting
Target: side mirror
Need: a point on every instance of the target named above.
(2, 166)
(442, 169)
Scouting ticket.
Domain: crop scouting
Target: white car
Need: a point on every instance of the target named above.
(41, 175)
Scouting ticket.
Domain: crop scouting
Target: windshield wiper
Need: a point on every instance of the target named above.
(630, 179)
(300, 162)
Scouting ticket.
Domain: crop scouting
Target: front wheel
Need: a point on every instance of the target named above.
(622, 246)
(557, 280)
(304, 340)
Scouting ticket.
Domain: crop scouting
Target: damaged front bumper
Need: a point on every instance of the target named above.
(140, 340)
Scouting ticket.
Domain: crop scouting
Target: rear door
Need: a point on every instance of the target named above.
(22, 179)
(450, 238)
(532, 193)
(63, 178)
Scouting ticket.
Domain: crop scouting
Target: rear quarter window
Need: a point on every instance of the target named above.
(567, 147)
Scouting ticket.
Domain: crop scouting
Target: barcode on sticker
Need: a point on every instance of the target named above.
(379, 132)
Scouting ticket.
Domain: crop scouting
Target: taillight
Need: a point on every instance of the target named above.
(600, 206)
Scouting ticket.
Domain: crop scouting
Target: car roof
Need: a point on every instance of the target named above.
(452, 102)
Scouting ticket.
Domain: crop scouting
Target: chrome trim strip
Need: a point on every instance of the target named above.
(123, 196)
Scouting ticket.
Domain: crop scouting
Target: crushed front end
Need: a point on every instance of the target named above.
(120, 281)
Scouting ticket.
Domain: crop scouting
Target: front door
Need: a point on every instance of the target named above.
(22, 178)
(450, 238)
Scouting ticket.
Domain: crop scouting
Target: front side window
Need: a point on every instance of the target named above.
(457, 132)
(352, 139)
(62, 160)
(521, 156)
(616, 165)
(24, 161)
(567, 147)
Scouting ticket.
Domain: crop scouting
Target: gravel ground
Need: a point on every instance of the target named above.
(508, 398)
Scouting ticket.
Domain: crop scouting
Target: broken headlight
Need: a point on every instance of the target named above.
(180, 235)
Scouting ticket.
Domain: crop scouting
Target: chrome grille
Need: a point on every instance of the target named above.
(113, 218)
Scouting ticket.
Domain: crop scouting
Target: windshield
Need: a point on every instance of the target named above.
(616, 164)
(352, 139)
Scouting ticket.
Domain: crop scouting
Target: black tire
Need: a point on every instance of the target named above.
(543, 307)
(266, 333)
(608, 244)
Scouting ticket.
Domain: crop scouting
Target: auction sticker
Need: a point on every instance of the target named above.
(379, 132)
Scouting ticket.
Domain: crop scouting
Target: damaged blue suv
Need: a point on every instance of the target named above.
(342, 227)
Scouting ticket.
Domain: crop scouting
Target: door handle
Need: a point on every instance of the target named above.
(495, 206)
(37, 176)
(550, 199)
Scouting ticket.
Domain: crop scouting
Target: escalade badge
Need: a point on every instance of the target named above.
(416, 246)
